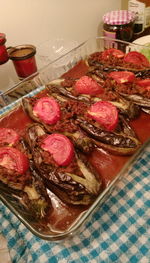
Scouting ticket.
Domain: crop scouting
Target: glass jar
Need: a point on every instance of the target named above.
(3, 51)
(23, 57)
(119, 25)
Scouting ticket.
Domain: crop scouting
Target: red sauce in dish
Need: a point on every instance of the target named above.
(77, 71)
(106, 164)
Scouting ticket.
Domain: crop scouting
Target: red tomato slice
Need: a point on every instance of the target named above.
(136, 58)
(105, 113)
(87, 85)
(47, 109)
(144, 83)
(8, 136)
(13, 159)
(113, 52)
(60, 147)
(122, 76)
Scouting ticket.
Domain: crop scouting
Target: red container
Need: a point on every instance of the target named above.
(23, 57)
(3, 51)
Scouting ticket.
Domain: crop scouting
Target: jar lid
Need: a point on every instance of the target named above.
(2, 38)
(21, 52)
(119, 17)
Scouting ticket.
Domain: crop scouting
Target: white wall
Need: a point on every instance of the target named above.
(35, 21)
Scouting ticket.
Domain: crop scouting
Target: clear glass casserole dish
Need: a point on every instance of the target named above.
(31, 86)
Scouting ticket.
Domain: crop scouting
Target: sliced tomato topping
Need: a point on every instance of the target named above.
(112, 52)
(87, 85)
(60, 147)
(105, 113)
(8, 136)
(47, 109)
(13, 159)
(144, 83)
(136, 58)
(122, 76)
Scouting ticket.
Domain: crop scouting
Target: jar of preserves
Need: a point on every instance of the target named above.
(3, 51)
(119, 24)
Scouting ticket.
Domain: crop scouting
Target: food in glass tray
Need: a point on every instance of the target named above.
(100, 125)
(125, 76)
(113, 75)
(62, 112)
(65, 170)
(53, 157)
(16, 171)
(133, 60)
(107, 163)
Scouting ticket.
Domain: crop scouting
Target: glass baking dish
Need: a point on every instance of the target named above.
(31, 86)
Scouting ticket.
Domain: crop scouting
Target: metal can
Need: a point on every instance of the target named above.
(23, 57)
(3, 50)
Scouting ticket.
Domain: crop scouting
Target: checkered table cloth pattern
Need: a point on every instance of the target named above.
(118, 232)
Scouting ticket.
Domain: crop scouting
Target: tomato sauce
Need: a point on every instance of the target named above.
(108, 165)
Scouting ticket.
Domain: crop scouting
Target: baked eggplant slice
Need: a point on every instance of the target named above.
(101, 69)
(114, 59)
(133, 89)
(139, 100)
(64, 170)
(122, 143)
(17, 174)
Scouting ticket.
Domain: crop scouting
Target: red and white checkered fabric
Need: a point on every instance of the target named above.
(118, 17)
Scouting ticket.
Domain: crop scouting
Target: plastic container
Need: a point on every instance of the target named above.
(31, 86)
(3, 50)
(23, 57)
(119, 25)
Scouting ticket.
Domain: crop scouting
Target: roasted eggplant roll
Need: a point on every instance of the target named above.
(16, 173)
(65, 171)
(123, 142)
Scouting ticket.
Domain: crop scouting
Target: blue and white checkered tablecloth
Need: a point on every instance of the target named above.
(118, 232)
